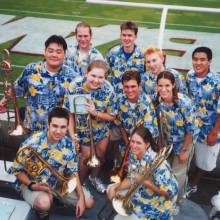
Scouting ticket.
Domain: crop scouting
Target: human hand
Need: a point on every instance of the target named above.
(80, 207)
(3, 107)
(183, 156)
(41, 187)
(90, 107)
(111, 192)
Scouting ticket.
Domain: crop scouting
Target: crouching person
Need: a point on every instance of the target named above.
(39, 187)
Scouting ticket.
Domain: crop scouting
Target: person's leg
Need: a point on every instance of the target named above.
(83, 169)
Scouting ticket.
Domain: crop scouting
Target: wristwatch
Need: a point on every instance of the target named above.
(30, 185)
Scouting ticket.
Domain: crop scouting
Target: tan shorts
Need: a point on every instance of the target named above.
(69, 200)
(206, 156)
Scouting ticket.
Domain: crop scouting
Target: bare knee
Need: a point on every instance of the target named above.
(89, 202)
(43, 202)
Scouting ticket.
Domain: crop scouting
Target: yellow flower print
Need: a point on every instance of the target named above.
(99, 125)
(149, 82)
(203, 101)
(179, 123)
(207, 87)
(163, 187)
(117, 73)
(154, 202)
(40, 111)
(199, 122)
(66, 84)
(43, 145)
(72, 87)
(71, 49)
(147, 117)
(64, 150)
(180, 77)
(149, 192)
(57, 154)
(38, 67)
(124, 108)
(202, 110)
(190, 118)
(168, 204)
(171, 113)
(68, 62)
(71, 163)
(143, 200)
(137, 209)
(36, 77)
(161, 208)
(32, 91)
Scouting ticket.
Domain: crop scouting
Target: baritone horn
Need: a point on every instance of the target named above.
(83, 122)
(34, 164)
(9, 93)
(123, 204)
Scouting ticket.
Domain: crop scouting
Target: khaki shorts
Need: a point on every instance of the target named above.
(206, 156)
(69, 200)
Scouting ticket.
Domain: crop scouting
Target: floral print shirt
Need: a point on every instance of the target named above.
(78, 64)
(178, 121)
(44, 91)
(61, 156)
(119, 65)
(205, 96)
(104, 100)
(149, 205)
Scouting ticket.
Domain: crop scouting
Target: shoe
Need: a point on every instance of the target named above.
(98, 184)
(190, 190)
(42, 215)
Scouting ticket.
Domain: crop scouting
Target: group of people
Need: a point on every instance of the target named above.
(177, 110)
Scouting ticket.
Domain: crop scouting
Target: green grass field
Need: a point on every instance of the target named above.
(96, 15)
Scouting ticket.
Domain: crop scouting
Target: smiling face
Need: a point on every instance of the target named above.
(57, 129)
(83, 38)
(165, 89)
(201, 64)
(95, 78)
(54, 55)
(138, 146)
(131, 90)
(128, 38)
(154, 62)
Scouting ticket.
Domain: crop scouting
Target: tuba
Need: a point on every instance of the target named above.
(119, 173)
(123, 204)
(83, 122)
(9, 93)
(34, 165)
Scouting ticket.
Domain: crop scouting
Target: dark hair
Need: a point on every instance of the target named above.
(131, 75)
(205, 50)
(129, 25)
(56, 39)
(167, 75)
(100, 64)
(84, 25)
(58, 112)
(147, 137)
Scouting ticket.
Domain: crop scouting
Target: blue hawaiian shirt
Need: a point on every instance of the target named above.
(119, 65)
(78, 64)
(104, 100)
(149, 82)
(61, 156)
(206, 98)
(44, 91)
(149, 205)
(128, 116)
(178, 121)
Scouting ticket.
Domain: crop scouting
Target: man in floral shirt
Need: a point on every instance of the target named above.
(58, 151)
(127, 56)
(79, 56)
(44, 84)
(204, 89)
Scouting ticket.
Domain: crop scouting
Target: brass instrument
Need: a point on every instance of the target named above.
(9, 92)
(123, 204)
(83, 122)
(119, 173)
(34, 165)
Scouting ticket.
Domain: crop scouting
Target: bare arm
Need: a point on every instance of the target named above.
(212, 136)
(187, 141)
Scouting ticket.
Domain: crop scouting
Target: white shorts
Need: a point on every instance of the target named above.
(69, 200)
(206, 156)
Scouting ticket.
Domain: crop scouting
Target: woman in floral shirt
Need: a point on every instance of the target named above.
(157, 197)
(102, 109)
(178, 125)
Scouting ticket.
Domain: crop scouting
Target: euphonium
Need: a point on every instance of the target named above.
(9, 92)
(34, 165)
(119, 174)
(123, 204)
(83, 122)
